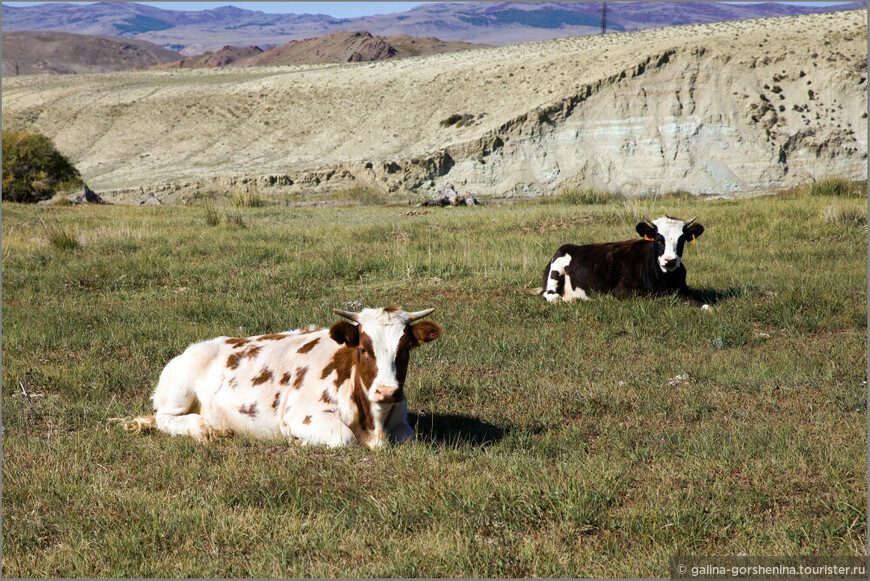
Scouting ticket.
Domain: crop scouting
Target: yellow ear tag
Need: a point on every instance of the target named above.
(693, 238)
(645, 237)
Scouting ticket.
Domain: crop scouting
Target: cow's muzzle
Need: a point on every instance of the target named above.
(670, 263)
(386, 394)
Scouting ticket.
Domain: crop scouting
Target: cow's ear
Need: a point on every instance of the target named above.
(645, 230)
(693, 231)
(345, 333)
(424, 331)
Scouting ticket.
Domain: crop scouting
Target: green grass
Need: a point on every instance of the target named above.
(553, 440)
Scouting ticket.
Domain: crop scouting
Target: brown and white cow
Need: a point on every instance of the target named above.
(338, 386)
(651, 265)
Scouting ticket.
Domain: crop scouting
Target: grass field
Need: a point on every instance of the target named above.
(571, 440)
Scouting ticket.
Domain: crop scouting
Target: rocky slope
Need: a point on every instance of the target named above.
(226, 56)
(712, 108)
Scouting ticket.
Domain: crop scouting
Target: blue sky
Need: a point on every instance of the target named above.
(336, 9)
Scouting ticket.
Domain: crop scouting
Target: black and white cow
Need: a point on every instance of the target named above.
(651, 266)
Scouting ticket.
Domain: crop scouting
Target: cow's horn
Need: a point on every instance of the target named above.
(347, 315)
(419, 314)
(648, 221)
(690, 221)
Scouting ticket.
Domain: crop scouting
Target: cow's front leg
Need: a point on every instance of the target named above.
(318, 427)
(397, 427)
(374, 439)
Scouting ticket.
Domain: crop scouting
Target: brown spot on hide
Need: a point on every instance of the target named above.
(249, 410)
(264, 376)
(300, 377)
(307, 420)
(326, 397)
(273, 337)
(367, 365)
(234, 359)
(309, 346)
(236, 342)
(363, 405)
(276, 401)
(285, 379)
(251, 351)
(392, 309)
(342, 363)
(233, 382)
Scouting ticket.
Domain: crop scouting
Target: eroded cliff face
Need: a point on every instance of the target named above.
(709, 109)
(695, 120)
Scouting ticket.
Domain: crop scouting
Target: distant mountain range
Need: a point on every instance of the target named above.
(194, 32)
(35, 52)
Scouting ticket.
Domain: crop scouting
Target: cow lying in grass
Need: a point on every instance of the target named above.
(651, 266)
(338, 386)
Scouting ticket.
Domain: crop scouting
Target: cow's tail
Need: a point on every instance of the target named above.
(135, 425)
(534, 291)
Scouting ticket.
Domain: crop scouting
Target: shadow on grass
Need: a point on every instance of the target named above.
(454, 429)
(713, 296)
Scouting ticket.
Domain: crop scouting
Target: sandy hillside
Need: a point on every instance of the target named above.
(714, 108)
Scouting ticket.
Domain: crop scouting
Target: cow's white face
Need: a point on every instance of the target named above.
(381, 334)
(669, 235)
(671, 232)
(384, 340)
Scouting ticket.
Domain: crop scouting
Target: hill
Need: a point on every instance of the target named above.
(226, 56)
(60, 52)
(194, 32)
(338, 47)
(711, 108)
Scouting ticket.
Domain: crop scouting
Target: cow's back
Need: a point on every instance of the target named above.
(601, 267)
(246, 384)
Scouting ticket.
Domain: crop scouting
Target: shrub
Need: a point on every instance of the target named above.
(60, 199)
(33, 169)
(212, 218)
(677, 195)
(61, 238)
(838, 187)
(361, 196)
(235, 219)
(458, 120)
(248, 200)
(587, 196)
(843, 214)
